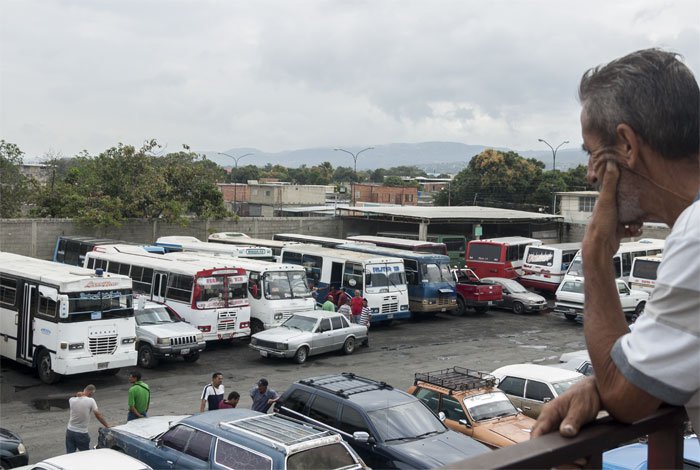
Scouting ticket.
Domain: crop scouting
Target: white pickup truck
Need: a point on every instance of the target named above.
(569, 299)
(162, 333)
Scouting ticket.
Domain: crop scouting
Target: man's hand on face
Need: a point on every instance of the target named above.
(571, 410)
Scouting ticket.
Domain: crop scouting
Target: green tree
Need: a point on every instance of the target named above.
(344, 174)
(244, 174)
(575, 179)
(551, 182)
(14, 186)
(394, 181)
(405, 170)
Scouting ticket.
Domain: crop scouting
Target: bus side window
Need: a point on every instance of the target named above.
(313, 265)
(254, 285)
(411, 267)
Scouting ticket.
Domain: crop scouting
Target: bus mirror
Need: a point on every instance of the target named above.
(62, 306)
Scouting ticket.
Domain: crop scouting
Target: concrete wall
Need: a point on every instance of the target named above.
(37, 237)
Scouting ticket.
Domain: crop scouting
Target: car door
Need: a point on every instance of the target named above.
(322, 337)
(168, 448)
(507, 296)
(514, 387)
(340, 332)
(454, 412)
(197, 452)
(536, 395)
(352, 421)
(626, 299)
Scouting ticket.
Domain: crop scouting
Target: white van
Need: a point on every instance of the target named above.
(569, 299)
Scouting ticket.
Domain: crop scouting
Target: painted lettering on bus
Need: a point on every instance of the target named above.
(385, 269)
(539, 258)
(104, 283)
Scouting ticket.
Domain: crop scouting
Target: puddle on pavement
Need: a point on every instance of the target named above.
(45, 404)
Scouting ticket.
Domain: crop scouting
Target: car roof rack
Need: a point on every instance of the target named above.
(345, 384)
(457, 379)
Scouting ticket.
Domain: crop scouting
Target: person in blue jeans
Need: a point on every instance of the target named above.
(82, 405)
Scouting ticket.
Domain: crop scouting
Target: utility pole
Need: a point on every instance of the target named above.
(235, 185)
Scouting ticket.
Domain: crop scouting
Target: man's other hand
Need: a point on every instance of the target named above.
(568, 412)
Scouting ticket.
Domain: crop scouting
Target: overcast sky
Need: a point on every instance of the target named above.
(282, 75)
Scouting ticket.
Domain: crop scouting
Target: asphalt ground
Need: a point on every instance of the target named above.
(39, 414)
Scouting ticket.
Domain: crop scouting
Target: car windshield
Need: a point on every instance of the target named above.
(576, 268)
(513, 286)
(286, 285)
(489, 406)
(563, 386)
(152, 316)
(408, 421)
(300, 322)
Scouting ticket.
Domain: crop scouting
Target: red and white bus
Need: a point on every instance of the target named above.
(544, 266)
(211, 294)
(498, 257)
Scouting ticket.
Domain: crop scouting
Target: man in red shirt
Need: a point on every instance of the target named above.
(356, 306)
(232, 401)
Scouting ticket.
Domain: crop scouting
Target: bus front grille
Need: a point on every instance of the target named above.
(390, 308)
(102, 345)
(444, 300)
(183, 340)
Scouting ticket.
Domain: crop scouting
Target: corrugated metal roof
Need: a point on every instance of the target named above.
(444, 213)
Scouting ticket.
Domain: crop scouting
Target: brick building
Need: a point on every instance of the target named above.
(378, 194)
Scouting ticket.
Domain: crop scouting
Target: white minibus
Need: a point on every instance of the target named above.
(209, 293)
(380, 279)
(544, 266)
(643, 274)
(63, 319)
(237, 238)
(184, 243)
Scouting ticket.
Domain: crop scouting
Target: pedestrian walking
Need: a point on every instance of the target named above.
(81, 406)
(262, 396)
(366, 318)
(328, 305)
(356, 304)
(231, 402)
(346, 310)
(213, 393)
(139, 397)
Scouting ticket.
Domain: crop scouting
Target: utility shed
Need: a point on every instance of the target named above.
(471, 221)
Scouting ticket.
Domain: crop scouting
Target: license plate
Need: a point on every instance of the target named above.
(263, 353)
(184, 352)
(571, 310)
(102, 365)
(443, 309)
(490, 302)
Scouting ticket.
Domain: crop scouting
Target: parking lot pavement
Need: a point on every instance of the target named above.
(38, 412)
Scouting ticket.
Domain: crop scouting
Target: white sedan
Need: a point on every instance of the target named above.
(310, 333)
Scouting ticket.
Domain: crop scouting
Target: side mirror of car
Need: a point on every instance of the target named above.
(442, 416)
(465, 423)
(362, 437)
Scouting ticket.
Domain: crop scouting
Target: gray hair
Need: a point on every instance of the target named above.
(90, 389)
(651, 91)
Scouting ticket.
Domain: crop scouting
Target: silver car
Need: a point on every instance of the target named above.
(305, 334)
(516, 297)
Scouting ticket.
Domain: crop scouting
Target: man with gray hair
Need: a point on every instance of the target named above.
(640, 122)
(81, 406)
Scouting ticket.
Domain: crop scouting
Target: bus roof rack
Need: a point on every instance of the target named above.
(457, 379)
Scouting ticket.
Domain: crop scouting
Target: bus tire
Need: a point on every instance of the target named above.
(518, 308)
(349, 346)
(461, 308)
(147, 359)
(301, 355)
(43, 368)
(256, 326)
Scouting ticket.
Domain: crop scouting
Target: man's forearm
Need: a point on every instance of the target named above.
(101, 419)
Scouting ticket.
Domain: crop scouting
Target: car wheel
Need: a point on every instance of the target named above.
(43, 367)
(461, 308)
(256, 326)
(146, 358)
(349, 346)
(192, 357)
(518, 308)
(570, 316)
(640, 309)
(301, 355)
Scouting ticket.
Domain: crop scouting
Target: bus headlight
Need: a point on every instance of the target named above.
(76, 346)
(278, 316)
(129, 340)
(163, 341)
(404, 307)
(375, 310)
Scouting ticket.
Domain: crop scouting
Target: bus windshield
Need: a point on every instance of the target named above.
(485, 251)
(436, 272)
(286, 285)
(383, 276)
(211, 292)
(237, 291)
(99, 305)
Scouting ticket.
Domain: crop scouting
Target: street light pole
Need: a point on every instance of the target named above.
(235, 185)
(554, 151)
(354, 157)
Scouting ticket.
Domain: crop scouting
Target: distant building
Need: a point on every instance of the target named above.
(576, 206)
(429, 187)
(37, 171)
(258, 199)
(376, 193)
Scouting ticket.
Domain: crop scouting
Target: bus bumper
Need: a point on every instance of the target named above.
(79, 365)
(432, 305)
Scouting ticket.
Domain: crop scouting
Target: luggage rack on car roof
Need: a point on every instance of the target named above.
(457, 379)
(345, 384)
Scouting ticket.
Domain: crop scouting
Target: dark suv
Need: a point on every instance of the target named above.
(388, 428)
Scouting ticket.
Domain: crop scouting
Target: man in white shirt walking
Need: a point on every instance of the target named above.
(81, 406)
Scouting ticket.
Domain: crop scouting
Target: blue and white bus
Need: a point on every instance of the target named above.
(381, 279)
(431, 287)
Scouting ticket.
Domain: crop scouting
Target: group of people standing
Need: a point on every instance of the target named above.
(213, 395)
(354, 308)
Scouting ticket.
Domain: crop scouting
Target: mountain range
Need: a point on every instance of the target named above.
(432, 157)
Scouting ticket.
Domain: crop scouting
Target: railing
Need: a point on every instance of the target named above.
(665, 445)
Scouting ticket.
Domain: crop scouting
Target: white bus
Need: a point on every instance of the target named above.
(210, 295)
(237, 238)
(544, 266)
(381, 279)
(622, 260)
(64, 319)
(643, 274)
(183, 243)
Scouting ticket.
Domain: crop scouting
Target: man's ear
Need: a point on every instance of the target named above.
(628, 145)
